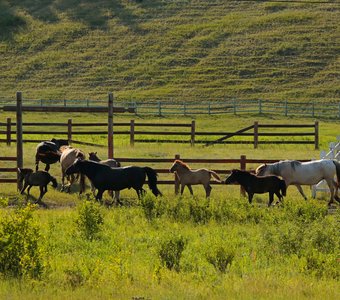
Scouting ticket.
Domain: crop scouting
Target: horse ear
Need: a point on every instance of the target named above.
(95, 153)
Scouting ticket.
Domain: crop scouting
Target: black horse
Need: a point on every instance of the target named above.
(38, 178)
(258, 184)
(115, 179)
(48, 152)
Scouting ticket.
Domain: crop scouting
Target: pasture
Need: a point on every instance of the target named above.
(177, 247)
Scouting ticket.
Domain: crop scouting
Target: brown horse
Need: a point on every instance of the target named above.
(188, 177)
(68, 156)
(258, 184)
(108, 162)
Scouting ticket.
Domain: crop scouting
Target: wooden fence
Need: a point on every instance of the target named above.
(224, 166)
(183, 133)
(164, 107)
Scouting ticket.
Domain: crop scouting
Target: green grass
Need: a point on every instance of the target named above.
(181, 50)
(287, 251)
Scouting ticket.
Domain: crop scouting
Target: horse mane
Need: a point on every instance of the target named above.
(184, 165)
(64, 147)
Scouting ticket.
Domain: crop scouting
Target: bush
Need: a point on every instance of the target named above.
(21, 253)
(170, 252)
(220, 257)
(89, 220)
(153, 207)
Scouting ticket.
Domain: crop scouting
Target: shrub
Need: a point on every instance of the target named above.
(200, 211)
(153, 207)
(21, 253)
(220, 257)
(89, 220)
(171, 251)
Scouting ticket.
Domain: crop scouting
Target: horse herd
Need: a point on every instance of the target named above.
(109, 175)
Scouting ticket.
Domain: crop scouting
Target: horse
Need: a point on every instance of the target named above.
(305, 173)
(109, 162)
(188, 177)
(38, 178)
(48, 152)
(67, 158)
(116, 179)
(258, 184)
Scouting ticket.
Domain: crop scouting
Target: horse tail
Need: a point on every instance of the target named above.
(54, 181)
(215, 175)
(152, 178)
(337, 167)
(283, 187)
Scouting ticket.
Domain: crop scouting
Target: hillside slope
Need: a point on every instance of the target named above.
(179, 49)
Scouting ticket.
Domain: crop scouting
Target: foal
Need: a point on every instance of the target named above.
(258, 184)
(187, 177)
(38, 178)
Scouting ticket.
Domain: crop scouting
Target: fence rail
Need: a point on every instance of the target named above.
(163, 108)
(176, 130)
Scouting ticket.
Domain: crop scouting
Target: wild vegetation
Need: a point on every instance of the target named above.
(182, 50)
(171, 247)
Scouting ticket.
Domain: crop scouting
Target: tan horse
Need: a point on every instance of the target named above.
(67, 158)
(188, 177)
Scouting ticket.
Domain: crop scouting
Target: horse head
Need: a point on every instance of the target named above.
(233, 177)
(23, 172)
(93, 155)
(60, 142)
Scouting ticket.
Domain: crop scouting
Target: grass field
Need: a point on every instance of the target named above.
(179, 50)
(219, 248)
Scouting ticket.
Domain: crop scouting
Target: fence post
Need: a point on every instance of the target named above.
(132, 133)
(316, 135)
(286, 108)
(260, 106)
(184, 109)
(19, 137)
(234, 106)
(256, 134)
(8, 131)
(110, 126)
(313, 112)
(209, 108)
(65, 102)
(159, 108)
(243, 166)
(69, 131)
(177, 156)
(193, 129)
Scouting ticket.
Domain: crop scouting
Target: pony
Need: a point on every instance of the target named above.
(258, 184)
(38, 178)
(305, 173)
(48, 152)
(67, 158)
(188, 177)
(109, 162)
(116, 179)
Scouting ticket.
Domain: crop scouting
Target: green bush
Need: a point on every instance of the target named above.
(152, 206)
(220, 257)
(89, 219)
(21, 253)
(170, 252)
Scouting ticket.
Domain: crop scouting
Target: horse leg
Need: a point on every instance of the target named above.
(250, 197)
(208, 189)
(24, 188)
(331, 189)
(336, 186)
(190, 189)
(28, 191)
(278, 194)
(301, 191)
(99, 195)
(182, 188)
(47, 168)
(271, 198)
(117, 198)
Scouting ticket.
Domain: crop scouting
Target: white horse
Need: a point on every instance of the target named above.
(305, 173)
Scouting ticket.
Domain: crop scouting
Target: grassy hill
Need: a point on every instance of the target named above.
(179, 49)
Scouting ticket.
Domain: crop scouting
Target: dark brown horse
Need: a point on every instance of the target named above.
(38, 178)
(48, 152)
(258, 184)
